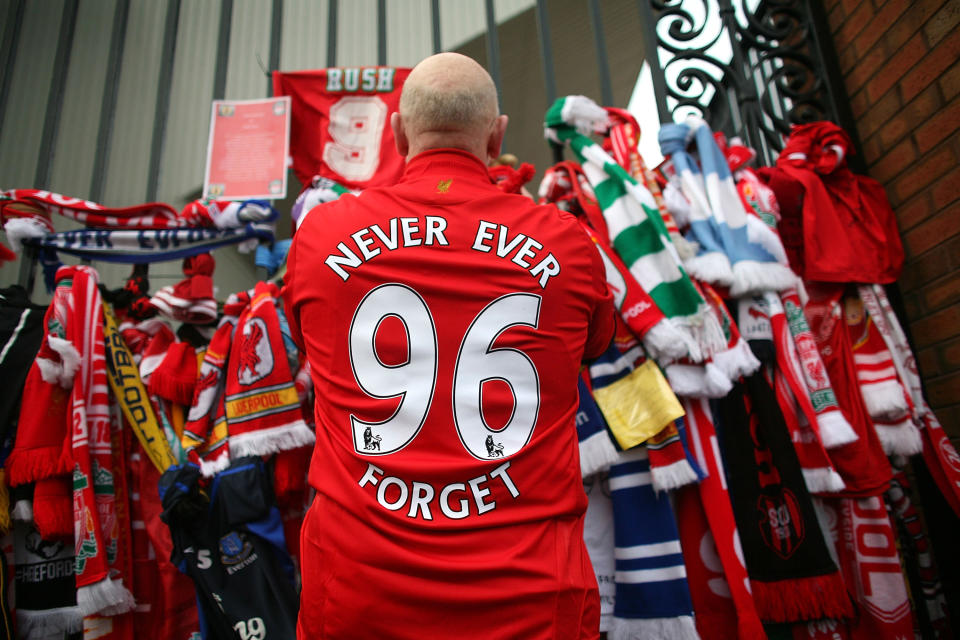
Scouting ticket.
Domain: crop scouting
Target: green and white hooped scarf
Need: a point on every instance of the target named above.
(637, 231)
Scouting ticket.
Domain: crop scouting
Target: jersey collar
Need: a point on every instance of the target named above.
(450, 162)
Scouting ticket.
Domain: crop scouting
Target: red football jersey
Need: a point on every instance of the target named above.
(445, 323)
(340, 123)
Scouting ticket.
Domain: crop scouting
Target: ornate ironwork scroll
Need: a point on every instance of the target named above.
(751, 68)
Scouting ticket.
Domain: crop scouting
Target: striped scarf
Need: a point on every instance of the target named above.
(652, 595)
(737, 250)
(635, 226)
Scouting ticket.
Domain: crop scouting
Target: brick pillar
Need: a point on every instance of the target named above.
(899, 62)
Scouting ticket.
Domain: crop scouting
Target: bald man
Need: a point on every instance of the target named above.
(445, 323)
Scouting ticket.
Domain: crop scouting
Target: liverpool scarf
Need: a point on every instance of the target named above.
(261, 402)
(715, 504)
(652, 596)
(737, 250)
(94, 508)
(938, 452)
(883, 395)
(791, 572)
(832, 425)
(862, 464)
(635, 227)
(205, 432)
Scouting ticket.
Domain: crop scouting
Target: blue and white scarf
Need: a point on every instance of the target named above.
(737, 250)
(652, 595)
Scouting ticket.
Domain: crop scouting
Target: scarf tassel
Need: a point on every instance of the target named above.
(597, 452)
(737, 361)
(672, 476)
(823, 480)
(884, 398)
(53, 516)
(901, 438)
(698, 381)
(797, 599)
(211, 467)
(22, 511)
(835, 431)
(107, 597)
(39, 463)
(266, 441)
(678, 628)
(49, 623)
(665, 342)
(166, 386)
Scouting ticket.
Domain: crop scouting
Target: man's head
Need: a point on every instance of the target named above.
(449, 100)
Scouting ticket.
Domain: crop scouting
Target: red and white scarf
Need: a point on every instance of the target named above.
(883, 395)
(94, 508)
(938, 452)
(260, 398)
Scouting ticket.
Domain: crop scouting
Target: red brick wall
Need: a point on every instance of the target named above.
(899, 60)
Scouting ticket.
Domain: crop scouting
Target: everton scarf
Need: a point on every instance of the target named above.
(635, 227)
(597, 451)
(598, 536)
(261, 402)
(938, 452)
(652, 597)
(145, 246)
(737, 250)
(791, 572)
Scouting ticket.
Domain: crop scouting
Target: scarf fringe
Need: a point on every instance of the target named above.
(750, 277)
(30, 465)
(835, 431)
(698, 381)
(737, 361)
(799, 599)
(665, 342)
(713, 267)
(168, 387)
(900, 439)
(107, 597)
(266, 441)
(22, 511)
(884, 399)
(597, 453)
(49, 623)
(210, 468)
(823, 480)
(673, 476)
(679, 628)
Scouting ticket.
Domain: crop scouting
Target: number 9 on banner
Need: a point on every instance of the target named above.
(356, 126)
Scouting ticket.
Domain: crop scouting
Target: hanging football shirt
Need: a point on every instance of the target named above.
(340, 126)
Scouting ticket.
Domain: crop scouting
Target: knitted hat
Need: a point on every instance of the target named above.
(176, 375)
(190, 300)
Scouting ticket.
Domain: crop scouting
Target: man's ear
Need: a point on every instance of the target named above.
(495, 140)
(399, 134)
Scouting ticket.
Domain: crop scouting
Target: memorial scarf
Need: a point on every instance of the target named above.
(635, 227)
(94, 505)
(652, 596)
(862, 464)
(791, 572)
(938, 452)
(883, 395)
(124, 379)
(736, 249)
(715, 501)
(832, 425)
(261, 403)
